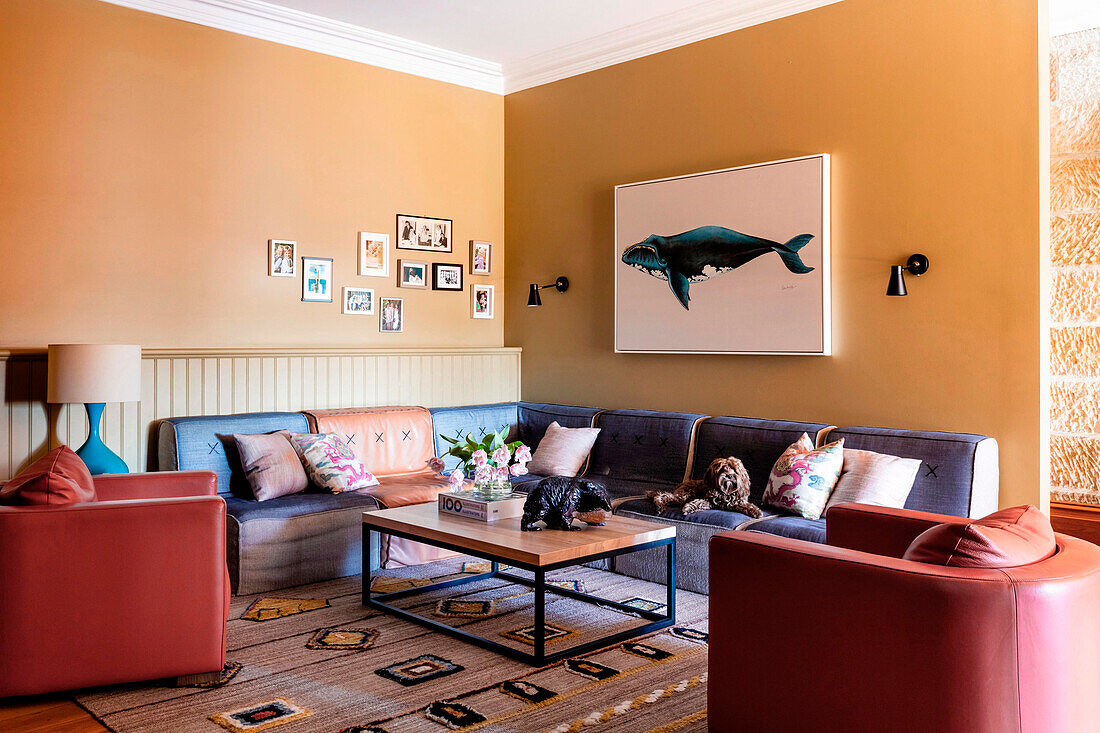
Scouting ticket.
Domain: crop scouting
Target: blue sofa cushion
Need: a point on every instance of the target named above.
(535, 417)
(757, 443)
(797, 528)
(958, 473)
(296, 505)
(642, 446)
(478, 420)
(643, 508)
(205, 443)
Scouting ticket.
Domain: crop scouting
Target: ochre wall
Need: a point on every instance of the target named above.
(1075, 264)
(931, 113)
(146, 162)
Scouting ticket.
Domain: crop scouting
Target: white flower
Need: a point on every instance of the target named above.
(457, 479)
(523, 454)
(500, 474)
(501, 456)
(479, 457)
(484, 473)
(519, 469)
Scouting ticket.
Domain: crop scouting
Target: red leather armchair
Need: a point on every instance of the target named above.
(131, 587)
(848, 637)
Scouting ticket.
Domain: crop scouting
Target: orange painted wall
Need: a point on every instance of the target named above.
(931, 112)
(146, 162)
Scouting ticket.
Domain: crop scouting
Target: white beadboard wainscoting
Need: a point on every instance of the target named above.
(179, 382)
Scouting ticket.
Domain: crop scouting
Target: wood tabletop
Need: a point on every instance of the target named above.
(504, 539)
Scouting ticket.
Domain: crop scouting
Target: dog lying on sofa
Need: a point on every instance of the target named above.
(725, 485)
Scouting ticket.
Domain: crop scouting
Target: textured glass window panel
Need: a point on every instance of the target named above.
(1075, 240)
(1075, 296)
(1075, 351)
(1075, 184)
(1075, 128)
(1075, 66)
(1073, 464)
(1075, 407)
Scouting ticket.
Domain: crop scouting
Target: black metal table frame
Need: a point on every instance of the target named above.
(655, 620)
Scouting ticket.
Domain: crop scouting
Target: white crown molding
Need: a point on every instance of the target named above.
(291, 27)
(696, 23)
(314, 33)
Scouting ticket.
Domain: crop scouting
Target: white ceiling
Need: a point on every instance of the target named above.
(502, 31)
(498, 46)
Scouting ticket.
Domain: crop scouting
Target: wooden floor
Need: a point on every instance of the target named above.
(46, 714)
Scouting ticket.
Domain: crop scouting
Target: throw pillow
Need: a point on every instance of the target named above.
(803, 477)
(330, 463)
(271, 465)
(562, 451)
(1020, 535)
(874, 478)
(56, 479)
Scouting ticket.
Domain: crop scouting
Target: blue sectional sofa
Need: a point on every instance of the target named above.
(636, 451)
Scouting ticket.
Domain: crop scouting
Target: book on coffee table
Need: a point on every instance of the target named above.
(465, 504)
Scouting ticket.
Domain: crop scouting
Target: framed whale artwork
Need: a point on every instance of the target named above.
(732, 261)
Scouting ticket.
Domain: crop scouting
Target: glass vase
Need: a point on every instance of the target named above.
(492, 489)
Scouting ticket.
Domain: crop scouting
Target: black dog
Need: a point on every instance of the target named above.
(555, 500)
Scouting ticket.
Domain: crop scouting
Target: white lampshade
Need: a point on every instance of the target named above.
(93, 373)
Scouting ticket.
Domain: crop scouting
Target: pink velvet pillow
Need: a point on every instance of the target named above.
(56, 479)
(1011, 537)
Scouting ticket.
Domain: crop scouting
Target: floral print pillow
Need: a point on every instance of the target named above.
(330, 463)
(804, 477)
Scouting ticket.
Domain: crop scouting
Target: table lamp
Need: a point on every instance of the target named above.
(95, 374)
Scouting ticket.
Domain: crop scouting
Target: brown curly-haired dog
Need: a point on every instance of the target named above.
(725, 485)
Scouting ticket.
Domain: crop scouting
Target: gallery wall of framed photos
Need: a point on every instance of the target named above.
(321, 284)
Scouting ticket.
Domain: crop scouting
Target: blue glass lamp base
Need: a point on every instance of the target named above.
(97, 456)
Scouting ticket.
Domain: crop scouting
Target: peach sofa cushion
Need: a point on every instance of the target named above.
(271, 465)
(873, 478)
(390, 441)
(1020, 535)
(57, 479)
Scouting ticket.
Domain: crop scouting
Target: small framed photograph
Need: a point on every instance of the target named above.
(446, 276)
(412, 274)
(317, 279)
(282, 255)
(483, 301)
(393, 315)
(374, 254)
(359, 301)
(427, 233)
(481, 257)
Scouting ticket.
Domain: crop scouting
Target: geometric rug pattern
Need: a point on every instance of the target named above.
(319, 661)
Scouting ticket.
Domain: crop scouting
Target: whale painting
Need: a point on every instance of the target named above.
(699, 254)
(731, 261)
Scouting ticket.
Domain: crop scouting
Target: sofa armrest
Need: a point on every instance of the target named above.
(157, 485)
(109, 592)
(828, 626)
(878, 530)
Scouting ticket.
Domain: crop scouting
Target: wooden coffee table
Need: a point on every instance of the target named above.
(538, 552)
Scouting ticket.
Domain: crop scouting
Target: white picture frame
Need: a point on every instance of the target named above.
(391, 318)
(316, 279)
(374, 254)
(279, 262)
(759, 284)
(358, 301)
(482, 307)
(412, 274)
(481, 257)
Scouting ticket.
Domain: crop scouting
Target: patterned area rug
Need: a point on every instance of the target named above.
(313, 658)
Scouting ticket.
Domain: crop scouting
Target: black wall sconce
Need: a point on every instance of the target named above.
(534, 299)
(915, 265)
